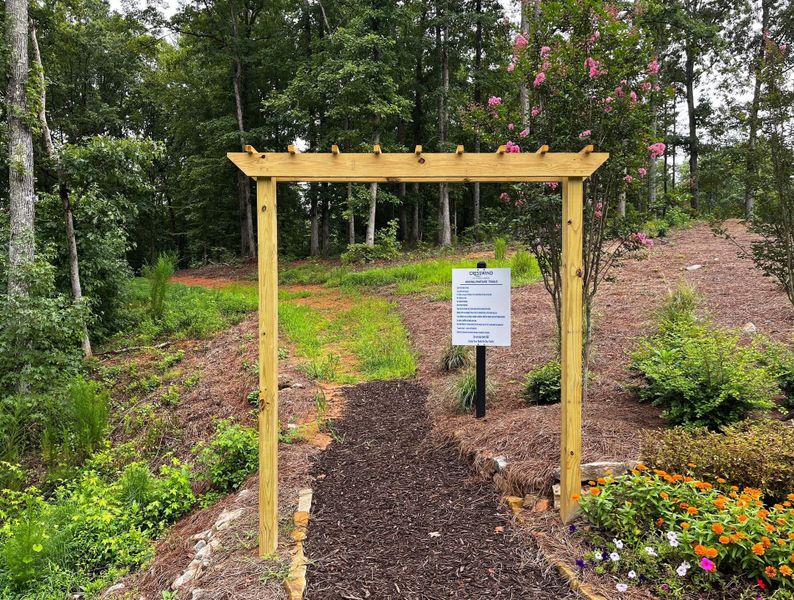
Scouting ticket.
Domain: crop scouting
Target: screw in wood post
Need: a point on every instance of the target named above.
(479, 401)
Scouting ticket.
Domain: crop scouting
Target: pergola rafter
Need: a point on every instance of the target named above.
(268, 168)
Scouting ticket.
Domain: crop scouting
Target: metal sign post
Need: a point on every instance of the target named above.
(479, 365)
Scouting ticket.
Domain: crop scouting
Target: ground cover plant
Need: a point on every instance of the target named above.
(542, 384)
(683, 535)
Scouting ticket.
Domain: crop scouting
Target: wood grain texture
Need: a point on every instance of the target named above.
(424, 167)
(571, 356)
(268, 365)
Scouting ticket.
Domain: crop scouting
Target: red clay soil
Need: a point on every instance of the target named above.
(735, 293)
(393, 518)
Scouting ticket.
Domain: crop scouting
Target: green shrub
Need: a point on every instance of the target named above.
(522, 263)
(542, 385)
(455, 358)
(386, 247)
(757, 454)
(76, 423)
(158, 275)
(700, 374)
(500, 248)
(231, 455)
(464, 390)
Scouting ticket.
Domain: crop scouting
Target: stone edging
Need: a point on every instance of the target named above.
(295, 583)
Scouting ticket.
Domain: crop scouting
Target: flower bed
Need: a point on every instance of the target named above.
(679, 534)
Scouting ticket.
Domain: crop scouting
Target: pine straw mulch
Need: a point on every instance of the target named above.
(735, 293)
(396, 518)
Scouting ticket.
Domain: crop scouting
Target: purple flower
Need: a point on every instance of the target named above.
(572, 528)
(580, 563)
(707, 565)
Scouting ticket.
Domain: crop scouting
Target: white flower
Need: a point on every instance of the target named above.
(632, 575)
(597, 555)
(618, 543)
(614, 557)
(650, 551)
(621, 587)
(672, 535)
(682, 569)
(686, 565)
(674, 543)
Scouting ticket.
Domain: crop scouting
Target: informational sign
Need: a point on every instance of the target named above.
(481, 307)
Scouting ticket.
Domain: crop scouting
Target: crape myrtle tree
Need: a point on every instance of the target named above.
(591, 75)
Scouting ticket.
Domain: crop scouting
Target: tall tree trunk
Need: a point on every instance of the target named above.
(523, 91)
(326, 232)
(21, 245)
(373, 204)
(689, 72)
(351, 220)
(444, 233)
(403, 213)
(622, 199)
(314, 243)
(63, 190)
(751, 165)
(415, 228)
(475, 192)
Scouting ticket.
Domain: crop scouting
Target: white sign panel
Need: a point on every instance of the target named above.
(481, 307)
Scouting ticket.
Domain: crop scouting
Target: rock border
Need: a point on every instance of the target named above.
(295, 584)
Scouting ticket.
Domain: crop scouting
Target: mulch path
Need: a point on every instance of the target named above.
(395, 518)
(734, 292)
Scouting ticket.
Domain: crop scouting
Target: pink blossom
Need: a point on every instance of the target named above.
(494, 101)
(657, 88)
(656, 149)
(633, 96)
(585, 133)
(535, 111)
(519, 202)
(510, 126)
(511, 147)
(539, 79)
(595, 37)
(782, 47)
(653, 67)
(642, 171)
(544, 51)
(598, 214)
(600, 205)
(552, 185)
(511, 67)
(523, 133)
(623, 82)
(628, 178)
(619, 92)
(592, 67)
(504, 197)
(608, 100)
(607, 109)
(521, 42)
(546, 65)
(646, 86)
(707, 565)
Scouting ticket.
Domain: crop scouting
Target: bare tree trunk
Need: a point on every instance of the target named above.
(314, 244)
(475, 192)
(523, 92)
(403, 213)
(21, 245)
(444, 233)
(373, 204)
(693, 134)
(751, 165)
(351, 221)
(415, 221)
(63, 190)
(326, 231)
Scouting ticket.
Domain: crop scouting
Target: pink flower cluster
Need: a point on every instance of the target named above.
(585, 133)
(535, 111)
(642, 171)
(539, 79)
(523, 133)
(511, 147)
(544, 51)
(653, 67)
(594, 67)
(599, 210)
(638, 239)
(494, 101)
(520, 43)
(657, 149)
(552, 185)
(628, 178)
(504, 197)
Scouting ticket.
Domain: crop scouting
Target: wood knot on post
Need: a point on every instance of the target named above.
(578, 272)
(421, 160)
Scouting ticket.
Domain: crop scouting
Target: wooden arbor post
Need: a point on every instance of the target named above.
(336, 167)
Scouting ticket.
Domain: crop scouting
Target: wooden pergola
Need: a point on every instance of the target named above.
(269, 168)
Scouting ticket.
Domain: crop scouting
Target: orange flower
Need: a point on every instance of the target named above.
(742, 518)
(720, 480)
(791, 536)
(684, 525)
(763, 514)
(659, 522)
(576, 497)
(766, 541)
(691, 465)
(770, 572)
(770, 528)
(778, 507)
(758, 549)
(786, 570)
(711, 552)
(591, 483)
(724, 539)
(595, 491)
(717, 528)
(664, 495)
(791, 558)
(700, 550)
(692, 510)
(781, 521)
(641, 467)
(790, 497)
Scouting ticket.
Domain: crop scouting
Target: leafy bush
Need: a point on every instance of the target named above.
(386, 247)
(455, 357)
(700, 374)
(684, 521)
(158, 276)
(542, 385)
(758, 454)
(76, 422)
(464, 390)
(522, 263)
(231, 455)
(499, 248)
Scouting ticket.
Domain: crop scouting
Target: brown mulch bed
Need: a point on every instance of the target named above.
(394, 518)
(735, 293)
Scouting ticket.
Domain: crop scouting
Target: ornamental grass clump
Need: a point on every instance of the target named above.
(678, 523)
(455, 358)
(700, 374)
(464, 390)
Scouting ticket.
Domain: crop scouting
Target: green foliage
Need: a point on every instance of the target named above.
(500, 248)
(700, 374)
(464, 390)
(756, 454)
(231, 456)
(386, 247)
(522, 263)
(455, 358)
(542, 384)
(158, 276)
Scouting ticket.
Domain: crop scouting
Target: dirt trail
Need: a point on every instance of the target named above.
(395, 519)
